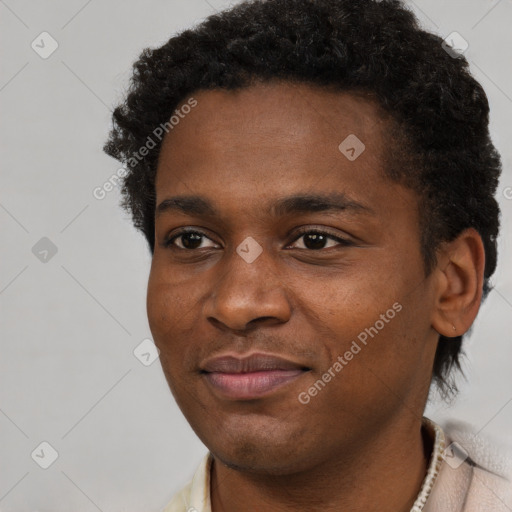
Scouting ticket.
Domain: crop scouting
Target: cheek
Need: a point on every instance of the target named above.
(169, 300)
(373, 319)
(160, 308)
(356, 298)
(167, 310)
(172, 311)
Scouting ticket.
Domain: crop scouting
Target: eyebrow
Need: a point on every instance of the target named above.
(306, 203)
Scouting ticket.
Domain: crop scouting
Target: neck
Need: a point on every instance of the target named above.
(385, 474)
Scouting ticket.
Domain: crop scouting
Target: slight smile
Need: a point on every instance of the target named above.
(247, 378)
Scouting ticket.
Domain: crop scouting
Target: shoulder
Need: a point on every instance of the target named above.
(490, 487)
(476, 472)
(180, 500)
(488, 491)
(195, 496)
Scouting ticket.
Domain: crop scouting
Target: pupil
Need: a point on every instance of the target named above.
(191, 244)
(318, 241)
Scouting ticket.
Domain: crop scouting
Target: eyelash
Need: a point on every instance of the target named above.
(169, 242)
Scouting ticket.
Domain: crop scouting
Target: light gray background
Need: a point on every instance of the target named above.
(69, 326)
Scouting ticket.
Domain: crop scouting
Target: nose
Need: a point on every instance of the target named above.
(247, 295)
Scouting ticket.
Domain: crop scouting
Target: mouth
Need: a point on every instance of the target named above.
(248, 378)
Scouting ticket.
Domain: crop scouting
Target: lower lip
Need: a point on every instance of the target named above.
(247, 386)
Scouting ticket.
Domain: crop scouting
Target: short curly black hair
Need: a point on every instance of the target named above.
(439, 112)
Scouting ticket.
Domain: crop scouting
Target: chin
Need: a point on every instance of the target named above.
(260, 460)
(265, 449)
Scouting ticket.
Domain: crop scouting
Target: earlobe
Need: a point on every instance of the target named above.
(459, 275)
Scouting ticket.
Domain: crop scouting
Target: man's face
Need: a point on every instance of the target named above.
(357, 288)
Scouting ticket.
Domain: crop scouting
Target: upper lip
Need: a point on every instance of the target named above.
(252, 363)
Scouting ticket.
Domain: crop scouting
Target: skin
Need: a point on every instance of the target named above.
(358, 444)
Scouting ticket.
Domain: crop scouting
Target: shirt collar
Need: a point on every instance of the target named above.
(436, 459)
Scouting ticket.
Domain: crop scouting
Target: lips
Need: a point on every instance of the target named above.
(246, 378)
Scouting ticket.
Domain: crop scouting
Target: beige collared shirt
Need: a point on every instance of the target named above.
(453, 483)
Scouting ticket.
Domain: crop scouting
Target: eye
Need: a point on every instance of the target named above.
(316, 239)
(190, 240)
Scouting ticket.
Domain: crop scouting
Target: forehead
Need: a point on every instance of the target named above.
(279, 111)
(274, 136)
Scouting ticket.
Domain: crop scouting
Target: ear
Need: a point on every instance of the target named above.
(459, 281)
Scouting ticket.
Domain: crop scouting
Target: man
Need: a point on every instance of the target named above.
(315, 180)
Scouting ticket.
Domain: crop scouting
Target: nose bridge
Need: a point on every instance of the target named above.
(248, 288)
